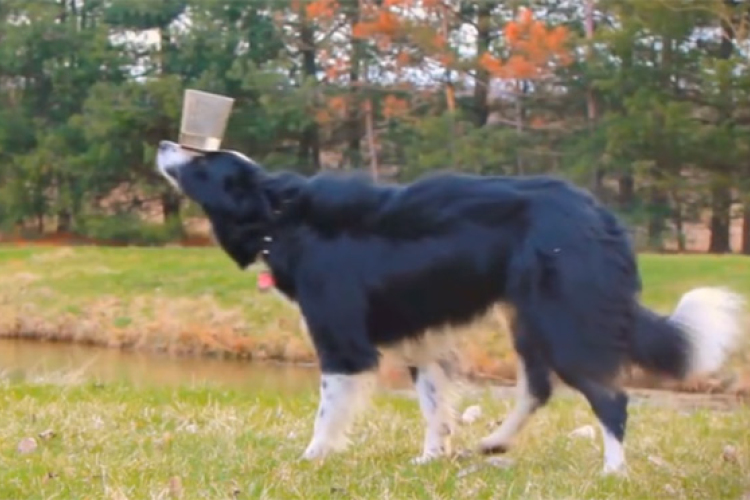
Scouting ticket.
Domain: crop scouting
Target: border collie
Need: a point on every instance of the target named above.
(375, 266)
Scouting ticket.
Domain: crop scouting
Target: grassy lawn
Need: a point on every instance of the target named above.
(194, 300)
(119, 442)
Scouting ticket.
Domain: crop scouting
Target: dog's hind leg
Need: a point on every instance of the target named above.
(433, 382)
(341, 396)
(533, 390)
(610, 405)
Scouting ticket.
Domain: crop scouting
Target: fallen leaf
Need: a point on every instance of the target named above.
(660, 462)
(47, 434)
(587, 431)
(175, 487)
(164, 441)
(27, 445)
(471, 414)
(469, 470)
(97, 422)
(500, 462)
(729, 453)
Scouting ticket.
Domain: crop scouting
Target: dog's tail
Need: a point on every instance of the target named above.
(695, 339)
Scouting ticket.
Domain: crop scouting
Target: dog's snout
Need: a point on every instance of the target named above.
(165, 146)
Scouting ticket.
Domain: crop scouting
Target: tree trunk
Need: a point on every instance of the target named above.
(679, 226)
(170, 206)
(591, 111)
(353, 119)
(520, 91)
(626, 191)
(721, 196)
(659, 209)
(309, 146)
(371, 142)
(482, 81)
(450, 95)
(746, 229)
(64, 221)
(721, 203)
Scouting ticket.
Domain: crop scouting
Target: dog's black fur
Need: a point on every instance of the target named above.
(371, 265)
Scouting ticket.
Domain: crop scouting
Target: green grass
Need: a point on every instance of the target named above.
(666, 277)
(84, 273)
(117, 442)
(195, 300)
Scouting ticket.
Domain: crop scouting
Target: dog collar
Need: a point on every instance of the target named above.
(265, 251)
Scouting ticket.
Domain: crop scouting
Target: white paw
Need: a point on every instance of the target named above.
(425, 458)
(616, 470)
(316, 451)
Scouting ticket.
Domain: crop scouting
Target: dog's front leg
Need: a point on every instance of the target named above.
(434, 393)
(341, 396)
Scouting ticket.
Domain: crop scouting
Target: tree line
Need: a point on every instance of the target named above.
(644, 102)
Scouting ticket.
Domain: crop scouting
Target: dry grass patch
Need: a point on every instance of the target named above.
(194, 301)
(117, 442)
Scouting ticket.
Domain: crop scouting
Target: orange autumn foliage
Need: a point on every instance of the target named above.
(337, 104)
(385, 23)
(394, 107)
(334, 109)
(403, 59)
(321, 9)
(533, 49)
(491, 64)
(389, 23)
(334, 67)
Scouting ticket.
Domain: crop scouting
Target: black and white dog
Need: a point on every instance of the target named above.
(375, 266)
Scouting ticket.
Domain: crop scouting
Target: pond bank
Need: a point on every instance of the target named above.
(192, 302)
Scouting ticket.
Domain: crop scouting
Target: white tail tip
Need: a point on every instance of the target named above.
(712, 319)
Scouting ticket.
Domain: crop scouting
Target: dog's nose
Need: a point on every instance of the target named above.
(165, 145)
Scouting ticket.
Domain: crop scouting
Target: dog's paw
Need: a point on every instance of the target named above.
(426, 458)
(620, 471)
(316, 451)
(492, 446)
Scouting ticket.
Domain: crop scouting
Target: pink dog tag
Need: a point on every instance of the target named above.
(265, 280)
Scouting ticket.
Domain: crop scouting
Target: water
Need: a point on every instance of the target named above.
(21, 359)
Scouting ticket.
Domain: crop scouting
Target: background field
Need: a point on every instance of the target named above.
(195, 301)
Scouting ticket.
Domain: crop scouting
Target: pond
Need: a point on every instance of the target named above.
(34, 360)
(20, 359)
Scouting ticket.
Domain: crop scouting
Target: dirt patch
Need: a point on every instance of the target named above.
(202, 327)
